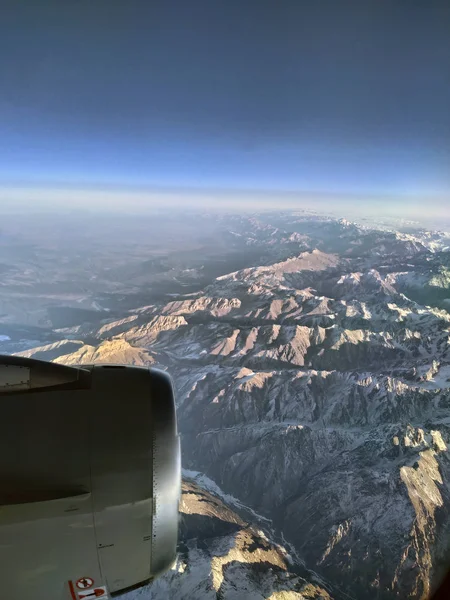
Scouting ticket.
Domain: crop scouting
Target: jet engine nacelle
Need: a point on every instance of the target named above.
(90, 478)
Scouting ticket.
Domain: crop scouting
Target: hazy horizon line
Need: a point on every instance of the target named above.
(142, 198)
(39, 184)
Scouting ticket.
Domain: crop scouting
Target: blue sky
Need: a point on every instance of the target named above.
(341, 97)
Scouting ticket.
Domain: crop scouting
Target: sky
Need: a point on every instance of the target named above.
(320, 96)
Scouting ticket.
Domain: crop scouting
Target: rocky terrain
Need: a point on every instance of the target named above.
(221, 555)
(313, 384)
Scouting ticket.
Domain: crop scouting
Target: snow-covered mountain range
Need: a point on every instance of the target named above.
(313, 385)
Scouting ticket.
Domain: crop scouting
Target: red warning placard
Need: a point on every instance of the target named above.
(97, 592)
(84, 582)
